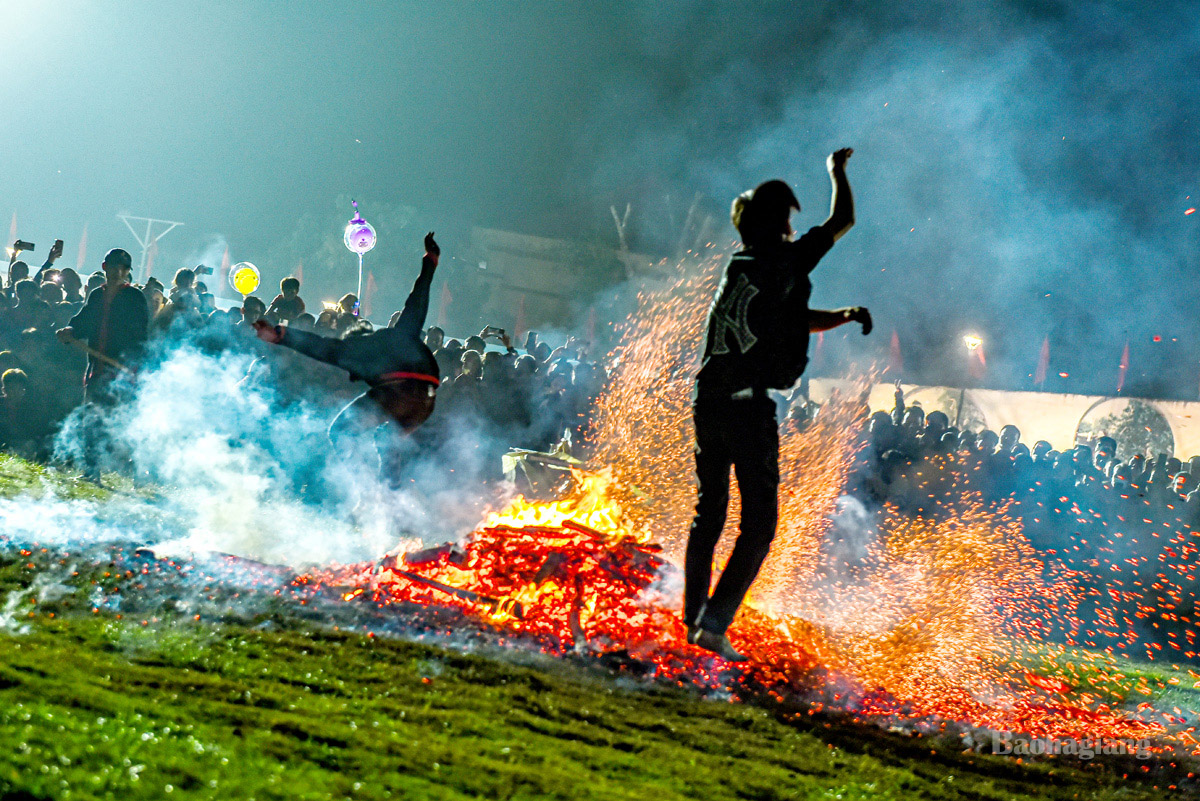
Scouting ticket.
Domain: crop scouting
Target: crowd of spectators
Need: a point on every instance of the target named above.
(1123, 534)
(527, 397)
(914, 457)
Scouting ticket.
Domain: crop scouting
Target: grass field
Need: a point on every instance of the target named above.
(99, 704)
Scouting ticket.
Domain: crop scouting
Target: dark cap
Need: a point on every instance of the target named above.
(761, 214)
(119, 256)
(775, 194)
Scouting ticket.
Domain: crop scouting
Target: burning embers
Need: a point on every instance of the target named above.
(572, 574)
(914, 624)
(573, 577)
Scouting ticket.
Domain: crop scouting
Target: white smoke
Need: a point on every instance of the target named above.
(243, 468)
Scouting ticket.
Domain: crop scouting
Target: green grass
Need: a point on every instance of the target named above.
(98, 707)
(1120, 681)
(92, 705)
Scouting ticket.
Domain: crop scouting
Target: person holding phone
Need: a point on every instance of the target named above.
(56, 251)
(500, 335)
(397, 366)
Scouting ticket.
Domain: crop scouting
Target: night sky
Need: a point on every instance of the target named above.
(1021, 169)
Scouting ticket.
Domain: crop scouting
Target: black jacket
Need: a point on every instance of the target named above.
(757, 335)
(368, 357)
(114, 325)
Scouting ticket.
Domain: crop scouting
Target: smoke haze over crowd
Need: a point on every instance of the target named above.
(1022, 169)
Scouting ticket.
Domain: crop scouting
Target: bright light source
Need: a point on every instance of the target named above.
(972, 341)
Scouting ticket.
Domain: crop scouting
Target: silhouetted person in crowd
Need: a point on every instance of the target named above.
(114, 323)
(466, 390)
(304, 322)
(1010, 435)
(51, 292)
(52, 256)
(326, 322)
(72, 285)
(253, 311)
(287, 305)
(394, 362)
(757, 339)
(1105, 455)
(30, 309)
(183, 290)
(18, 271)
(936, 424)
(347, 313)
(448, 358)
(25, 419)
(181, 307)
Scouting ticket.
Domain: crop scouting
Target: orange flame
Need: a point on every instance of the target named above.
(920, 621)
(591, 504)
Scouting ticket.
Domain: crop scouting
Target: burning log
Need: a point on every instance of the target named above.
(543, 532)
(450, 551)
(553, 562)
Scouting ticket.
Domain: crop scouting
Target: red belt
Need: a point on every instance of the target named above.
(388, 378)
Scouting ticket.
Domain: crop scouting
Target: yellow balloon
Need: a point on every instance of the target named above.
(244, 277)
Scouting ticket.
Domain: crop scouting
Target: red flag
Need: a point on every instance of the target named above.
(12, 230)
(224, 282)
(370, 294)
(519, 327)
(896, 360)
(81, 259)
(1039, 375)
(1124, 368)
(589, 332)
(977, 362)
(444, 306)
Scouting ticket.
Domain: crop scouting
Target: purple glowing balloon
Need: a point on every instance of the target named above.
(360, 236)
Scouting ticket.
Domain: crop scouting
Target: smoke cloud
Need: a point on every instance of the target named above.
(238, 445)
(1021, 168)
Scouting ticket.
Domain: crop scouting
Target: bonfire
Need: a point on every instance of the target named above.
(922, 632)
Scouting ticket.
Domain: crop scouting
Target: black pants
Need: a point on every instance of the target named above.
(741, 434)
(397, 408)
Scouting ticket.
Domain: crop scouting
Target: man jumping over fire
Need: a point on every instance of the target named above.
(757, 340)
(395, 363)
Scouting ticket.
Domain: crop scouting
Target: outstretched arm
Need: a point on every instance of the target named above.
(323, 349)
(822, 320)
(85, 323)
(55, 251)
(841, 205)
(412, 319)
